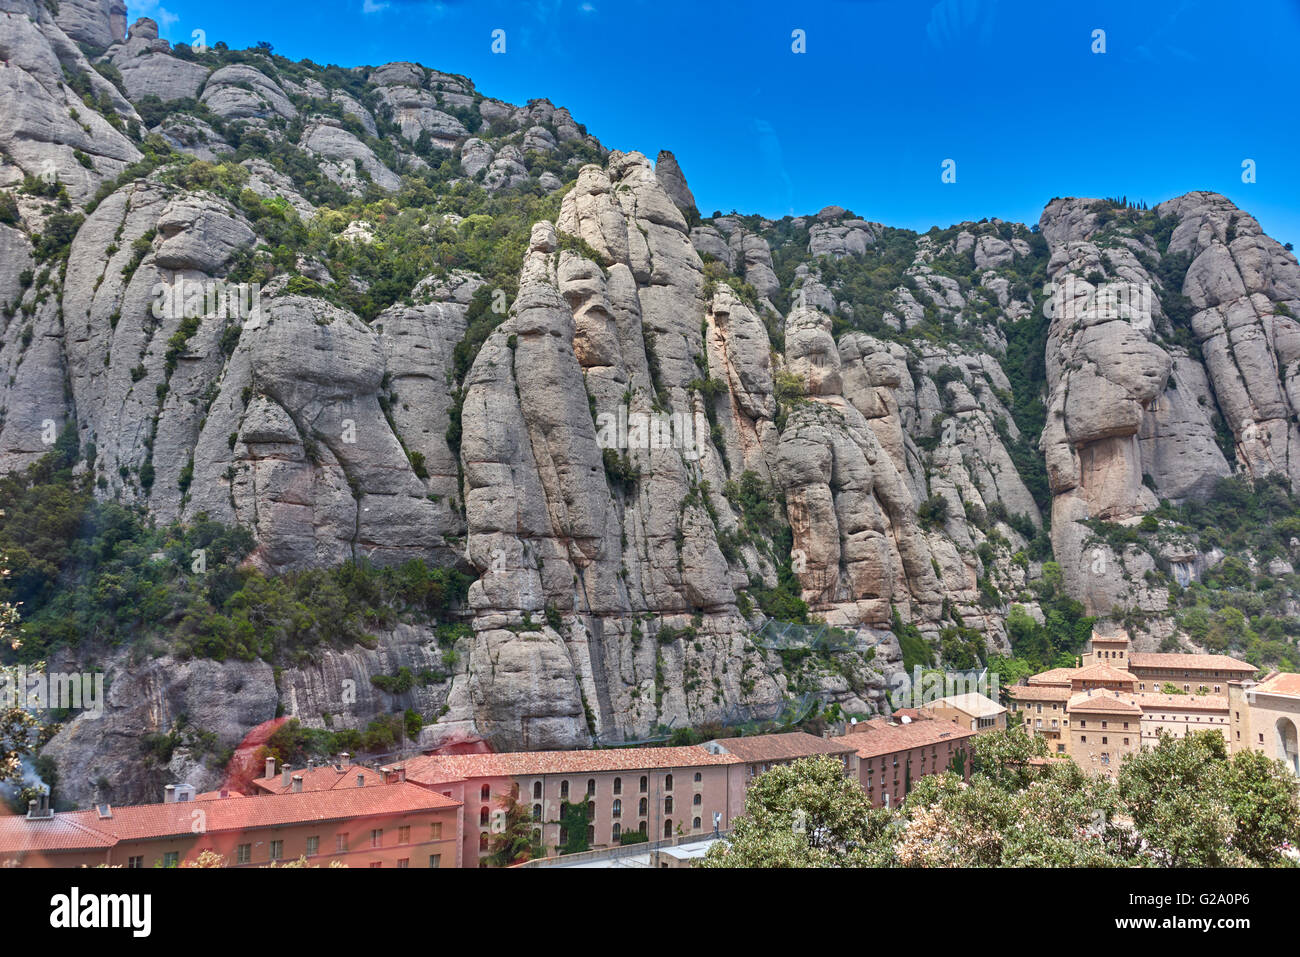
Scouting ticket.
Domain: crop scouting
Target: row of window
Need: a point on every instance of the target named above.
(485, 792)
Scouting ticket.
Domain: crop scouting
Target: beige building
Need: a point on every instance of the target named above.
(1104, 727)
(1048, 701)
(1266, 717)
(973, 711)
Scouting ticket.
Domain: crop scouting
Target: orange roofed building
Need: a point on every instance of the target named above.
(385, 825)
(890, 755)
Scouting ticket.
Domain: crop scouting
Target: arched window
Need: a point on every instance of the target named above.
(617, 832)
(643, 783)
(668, 828)
(591, 834)
(537, 812)
(564, 789)
(485, 792)
(696, 825)
(537, 790)
(668, 805)
(483, 841)
(618, 808)
(698, 777)
(668, 782)
(591, 786)
(641, 808)
(618, 785)
(483, 817)
(591, 810)
(699, 799)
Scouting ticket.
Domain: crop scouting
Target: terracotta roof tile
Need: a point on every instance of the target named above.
(323, 778)
(1284, 683)
(1101, 672)
(1053, 676)
(1102, 702)
(442, 768)
(778, 747)
(62, 832)
(1039, 692)
(1143, 659)
(874, 738)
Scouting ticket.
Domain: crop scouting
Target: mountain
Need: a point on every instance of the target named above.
(346, 394)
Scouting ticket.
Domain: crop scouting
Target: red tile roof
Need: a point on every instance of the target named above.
(1284, 683)
(1102, 672)
(1102, 702)
(1040, 692)
(1053, 676)
(70, 830)
(778, 747)
(140, 821)
(62, 832)
(323, 778)
(876, 737)
(1144, 659)
(441, 768)
(1182, 702)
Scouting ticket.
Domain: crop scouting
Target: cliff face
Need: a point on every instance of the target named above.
(602, 464)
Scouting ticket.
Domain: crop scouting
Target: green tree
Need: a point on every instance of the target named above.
(807, 814)
(513, 843)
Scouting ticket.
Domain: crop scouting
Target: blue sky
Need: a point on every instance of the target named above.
(885, 92)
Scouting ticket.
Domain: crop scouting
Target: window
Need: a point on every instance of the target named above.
(277, 850)
(485, 792)
(698, 777)
(171, 859)
(643, 784)
(537, 790)
(617, 810)
(668, 828)
(139, 861)
(435, 860)
(564, 790)
(537, 812)
(377, 837)
(341, 842)
(435, 831)
(404, 834)
(483, 817)
(483, 840)
(641, 807)
(1126, 740)
(699, 799)
(695, 825)
(617, 833)
(1083, 738)
(404, 862)
(376, 863)
(313, 845)
(244, 853)
(618, 785)
(668, 805)
(668, 782)
(1105, 740)
(591, 787)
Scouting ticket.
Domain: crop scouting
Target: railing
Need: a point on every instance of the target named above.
(621, 851)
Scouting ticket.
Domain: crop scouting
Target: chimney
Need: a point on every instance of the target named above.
(311, 764)
(361, 780)
(285, 777)
(401, 773)
(39, 808)
(297, 783)
(169, 794)
(270, 768)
